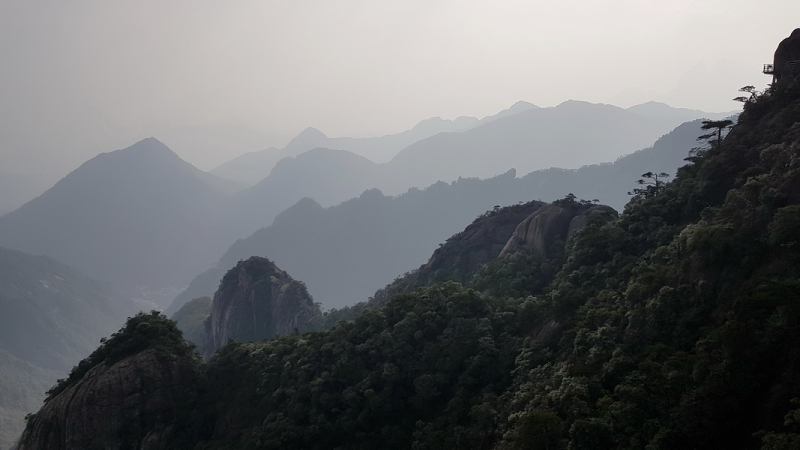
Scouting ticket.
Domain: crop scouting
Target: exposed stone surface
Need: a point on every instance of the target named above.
(551, 226)
(256, 300)
(788, 50)
(535, 228)
(479, 243)
(130, 405)
(463, 253)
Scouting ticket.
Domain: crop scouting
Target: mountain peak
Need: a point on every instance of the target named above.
(143, 150)
(308, 138)
(148, 144)
(521, 106)
(310, 134)
(572, 102)
(429, 122)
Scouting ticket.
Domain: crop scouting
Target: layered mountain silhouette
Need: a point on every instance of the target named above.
(137, 216)
(254, 166)
(523, 137)
(341, 252)
(568, 135)
(142, 219)
(332, 176)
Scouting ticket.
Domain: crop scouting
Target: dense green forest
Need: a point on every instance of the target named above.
(675, 326)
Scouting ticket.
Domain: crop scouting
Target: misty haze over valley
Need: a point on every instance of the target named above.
(399, 225)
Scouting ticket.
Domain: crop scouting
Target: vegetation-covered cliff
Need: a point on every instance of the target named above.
(51, 316)
(672, 327)
(138, 390)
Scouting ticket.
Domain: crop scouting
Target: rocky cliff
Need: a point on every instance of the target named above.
(479, 243)
(788, 51)
(532, 230)
(134, 392)
(256, 300)
(546, 231)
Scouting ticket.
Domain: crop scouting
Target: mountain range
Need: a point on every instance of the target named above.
(144, 220)
(341, 252)
(536, 134)
(254, 166)
(529, 140)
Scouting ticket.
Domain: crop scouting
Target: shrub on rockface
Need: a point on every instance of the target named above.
(142, 331)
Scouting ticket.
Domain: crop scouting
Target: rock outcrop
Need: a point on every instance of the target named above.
(787, 56)
(547, 230)
(135, 392)
(129, 405)
(256, 300)
(463, 253)
(534, 228)
(479, 243)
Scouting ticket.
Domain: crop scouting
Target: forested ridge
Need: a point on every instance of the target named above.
(675, 326)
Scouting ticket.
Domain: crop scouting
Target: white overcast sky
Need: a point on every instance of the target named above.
(214, 79)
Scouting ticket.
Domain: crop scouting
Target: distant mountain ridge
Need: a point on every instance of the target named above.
(143, 219)
(340, 251)
(529, 141)
(254, 166)
(570, 135)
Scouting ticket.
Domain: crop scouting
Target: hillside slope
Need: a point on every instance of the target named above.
(132, 217)
(51, 316)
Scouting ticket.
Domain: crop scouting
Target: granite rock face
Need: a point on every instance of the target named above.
(128, 405)
(788, 52)
(463, 253)
(534, 228)
(256, 300)
(552, 226)
(479, 243)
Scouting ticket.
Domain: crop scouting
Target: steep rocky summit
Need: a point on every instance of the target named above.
(256, 300)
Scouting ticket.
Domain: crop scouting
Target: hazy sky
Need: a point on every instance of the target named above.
(214, 79)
